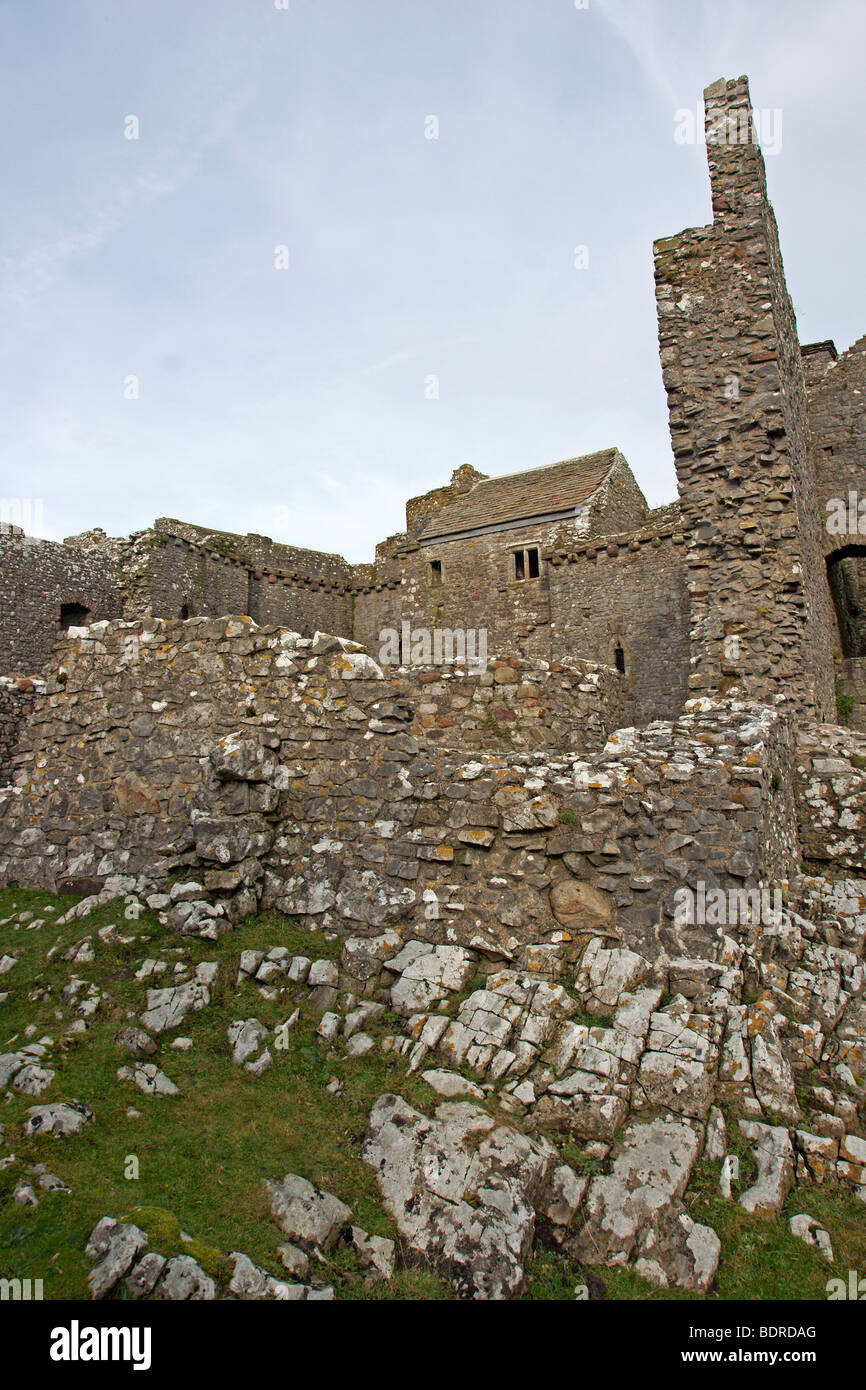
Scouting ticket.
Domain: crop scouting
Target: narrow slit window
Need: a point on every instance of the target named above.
(436, 574)
(532, 558)
(619, 658)
(519, 565)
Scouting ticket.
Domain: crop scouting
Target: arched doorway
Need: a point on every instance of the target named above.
(846, 575)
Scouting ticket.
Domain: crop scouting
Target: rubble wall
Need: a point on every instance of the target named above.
(36, 578)
(851, 676)
(762, 621)
(838, 425)
(114, 761)
(628, 592)
(831, 798)
(267, 769)
(16, 704)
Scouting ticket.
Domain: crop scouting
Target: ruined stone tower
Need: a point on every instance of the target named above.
(762, 620)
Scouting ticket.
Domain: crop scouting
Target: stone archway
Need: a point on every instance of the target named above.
(846, 576)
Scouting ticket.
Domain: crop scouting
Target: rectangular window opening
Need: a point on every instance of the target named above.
(527, 563)
(436, 574)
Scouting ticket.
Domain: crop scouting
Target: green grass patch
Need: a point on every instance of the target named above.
(202, 1155)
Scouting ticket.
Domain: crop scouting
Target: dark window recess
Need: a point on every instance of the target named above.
(526, 564)
(619, 659)
(844, 576)
(436, 574)
(73, 615)
(184, 612)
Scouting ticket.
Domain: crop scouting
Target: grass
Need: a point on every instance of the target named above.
(844, 703)
(203, 1154)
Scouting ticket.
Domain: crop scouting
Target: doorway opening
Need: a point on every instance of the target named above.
(73, 615)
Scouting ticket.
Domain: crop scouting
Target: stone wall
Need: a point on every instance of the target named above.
(492, 852)
(831, 798)
(478, 589)
(761, 615)
(16, 704)
(837, 420)
(630, 592)
(113, 765)
(379, 607)
(231, 767)
(170, 575)
(592, 594)
(36, 578)
(837, 391)
(179, 570)
(851, 678)
(515, 704)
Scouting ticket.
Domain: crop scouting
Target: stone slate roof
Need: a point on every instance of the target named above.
(493, 502)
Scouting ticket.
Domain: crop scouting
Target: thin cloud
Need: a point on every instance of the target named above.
(639, 27)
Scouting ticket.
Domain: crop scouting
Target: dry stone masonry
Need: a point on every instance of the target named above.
(599, 894)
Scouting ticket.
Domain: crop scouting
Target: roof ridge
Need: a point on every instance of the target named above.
(542, 467)
(547, 493)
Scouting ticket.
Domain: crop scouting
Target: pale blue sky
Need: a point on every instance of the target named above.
(293, 402)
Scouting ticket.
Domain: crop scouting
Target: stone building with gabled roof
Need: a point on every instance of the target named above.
(559, 492)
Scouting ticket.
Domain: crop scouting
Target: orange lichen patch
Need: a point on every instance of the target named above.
(760, 1014)
(497, 981)
(474, 835)
(338, 662)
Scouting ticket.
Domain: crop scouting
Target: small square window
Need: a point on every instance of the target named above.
(527, 564)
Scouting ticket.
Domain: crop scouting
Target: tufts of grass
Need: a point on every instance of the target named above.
(202, 1156)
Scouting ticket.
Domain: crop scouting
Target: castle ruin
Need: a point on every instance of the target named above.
(203, 720)
(738, 587)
